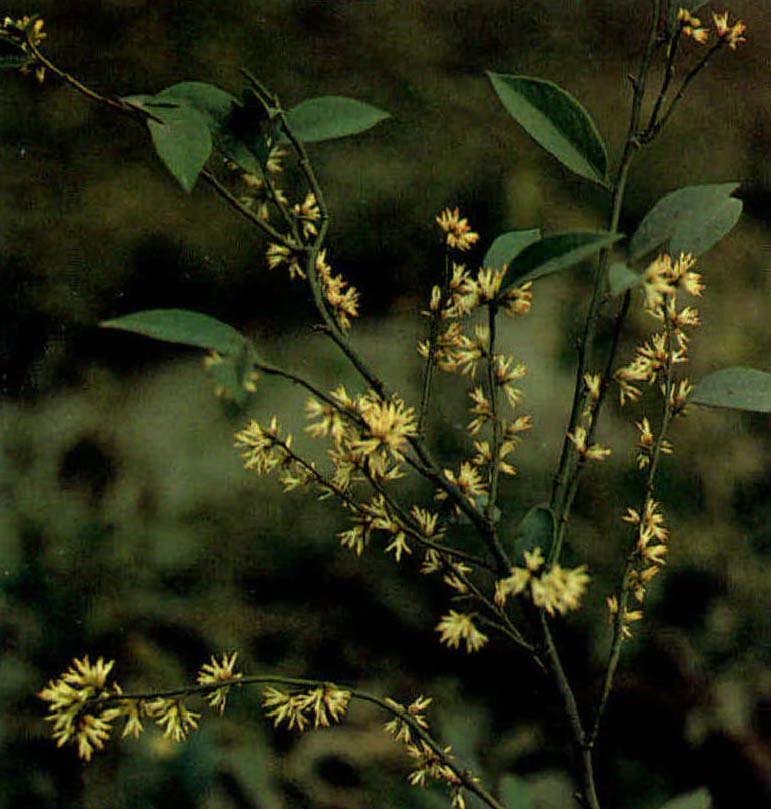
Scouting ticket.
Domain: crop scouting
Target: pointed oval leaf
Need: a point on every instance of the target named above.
(508, 246)
(328, 117)
(556, 121)
(235, 133)
(555, 253)
(514, 793)
(691, 219)
(181, 326)
(698, 799)
(535, 531)
(735, 389)
(183, 142)
(622, 278)
(212, 102)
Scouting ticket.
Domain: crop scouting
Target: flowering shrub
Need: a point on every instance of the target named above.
(510, 587)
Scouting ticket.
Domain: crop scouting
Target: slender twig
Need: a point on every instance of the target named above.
(433, 336)
(657, 126)
(495, 462)
(583, 751)
(464, 776)
(568, 466)
(623, 592)
(410, 526)
(242, 210)
(669, 74)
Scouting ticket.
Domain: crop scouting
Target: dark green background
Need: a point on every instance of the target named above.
(127, 527)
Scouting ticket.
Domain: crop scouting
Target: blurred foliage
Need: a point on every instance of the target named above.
(128, 528)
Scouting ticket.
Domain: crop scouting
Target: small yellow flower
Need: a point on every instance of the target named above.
(401, 730)
(512, 585)
(730, 34)
(518, 300)
(456, 627)
(219, 673)
(173, 716)
(468, 480)
(458, 231)
(593, 452)
(308, 213)
(691, 26)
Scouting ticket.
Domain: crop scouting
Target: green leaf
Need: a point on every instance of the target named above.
(181, 326)
(535, 531)
(508, 246)
(514, 793)
(555, 253)
(691, 219)
(238, 129)
(183, 141)
(735, 389)
(224, 116)
(622, 278)
(212, 102)
(698, 799)
(328, 117)
(556, 121)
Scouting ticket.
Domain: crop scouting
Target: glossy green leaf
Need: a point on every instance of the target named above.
(508, 246)
(691, 219)
(328, 117)
(535, 531)
(622, 278)
(698, 799)
(514, 793)
(181, 326)
(556, 253)
(735, 389)
(556, 121)
(183, 142)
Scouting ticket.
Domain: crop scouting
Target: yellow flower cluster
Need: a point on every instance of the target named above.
(24, 32)
(259, 192)
(650, 552)
(457, 627)
(557, 590)
(82, 706)
(308, 214)
(220, 675)
(647, 442)
(319, 707)
(663, 279)
(343, 299)
(458, 233)
(370, 434)
(279, 254)
(264, 449)
(731, 35)
(401, 730)
(589, 452)
(428, 765)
